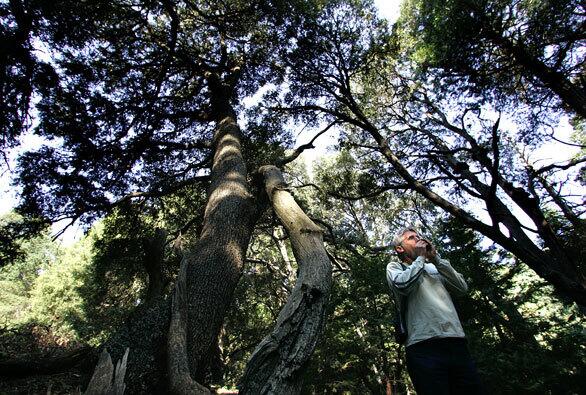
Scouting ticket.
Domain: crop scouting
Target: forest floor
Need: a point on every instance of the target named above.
(35, 343)
(30, 345)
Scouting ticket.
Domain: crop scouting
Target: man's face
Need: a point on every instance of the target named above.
(407, 247)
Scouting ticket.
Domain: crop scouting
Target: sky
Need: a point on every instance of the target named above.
(388, 8)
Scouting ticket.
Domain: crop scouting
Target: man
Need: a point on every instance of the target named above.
(438, 360)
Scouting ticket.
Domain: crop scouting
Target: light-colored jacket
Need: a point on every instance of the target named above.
(430, 310)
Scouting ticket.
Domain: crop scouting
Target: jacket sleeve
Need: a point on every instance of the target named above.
(453, 280)
(405, 280)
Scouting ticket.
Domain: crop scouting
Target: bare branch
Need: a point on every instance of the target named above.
(161, 192)
(295, 154)
(494, 171)
(199, 144)
(62, 230)
(565, 166)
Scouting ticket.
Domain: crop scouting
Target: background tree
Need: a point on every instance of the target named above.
(525, 49)
(141, 116)
(508, 314)
(22, 265)
(435, 138)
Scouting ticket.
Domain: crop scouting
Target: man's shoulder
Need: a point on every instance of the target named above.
(394, 265)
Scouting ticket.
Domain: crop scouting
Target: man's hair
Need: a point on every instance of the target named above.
(398, 239)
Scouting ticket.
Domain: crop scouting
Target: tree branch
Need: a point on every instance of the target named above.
(295, 154)
(565, 166)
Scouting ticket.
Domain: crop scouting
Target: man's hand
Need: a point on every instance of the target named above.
(430, 251)
(421, 248)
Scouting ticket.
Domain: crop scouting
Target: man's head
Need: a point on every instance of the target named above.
(404, 244)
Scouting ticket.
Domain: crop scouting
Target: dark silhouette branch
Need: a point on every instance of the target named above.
(295, 154)
(565, 166)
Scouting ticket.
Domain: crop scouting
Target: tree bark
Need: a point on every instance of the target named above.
(145, 333)
(277, 364)
(212, 270)
(107, 379)
(22, 367)
(155, 252)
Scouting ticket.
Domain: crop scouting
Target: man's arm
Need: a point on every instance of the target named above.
(405, 280)
(452, 279)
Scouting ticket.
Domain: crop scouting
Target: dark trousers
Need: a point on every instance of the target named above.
(442, 366)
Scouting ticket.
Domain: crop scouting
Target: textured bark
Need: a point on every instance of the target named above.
(145, 333)
(211, 271)
(277, 364)
(106, 380)
(180, 380)
(155, 250)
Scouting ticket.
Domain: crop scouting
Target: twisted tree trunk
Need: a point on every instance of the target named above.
(277, 364)
(211, 271)
(172, 340)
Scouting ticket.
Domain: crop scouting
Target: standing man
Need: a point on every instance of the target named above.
(438, 360)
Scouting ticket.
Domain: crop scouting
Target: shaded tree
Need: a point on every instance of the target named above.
(530, 50)
(434, 140)
(27, 30)
(147, 106)
(514, 345)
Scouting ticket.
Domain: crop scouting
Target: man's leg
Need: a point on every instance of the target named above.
(427, 367)
(464, 378)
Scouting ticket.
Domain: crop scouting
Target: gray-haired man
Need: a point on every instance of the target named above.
(438, 360)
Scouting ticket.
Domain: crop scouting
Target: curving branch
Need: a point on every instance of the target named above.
(295, 154)
(198, 144)
(277, 364)
(372, 194)
(158, 193)
(565, 166)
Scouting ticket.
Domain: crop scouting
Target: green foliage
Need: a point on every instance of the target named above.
(55, 300)
(358, 353)
(82, 292)
(522, 336)
(128, 104)
(43, 287)
(474, 39)
(136, 97)
(430, 30)
(16, 229)
(18, 278)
